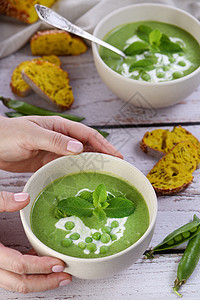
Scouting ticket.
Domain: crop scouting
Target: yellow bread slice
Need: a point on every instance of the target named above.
(160, 141)
(173, 172)
(50, 82)
(18, 85)
(54, 59)
(58, 42)
(23, 10)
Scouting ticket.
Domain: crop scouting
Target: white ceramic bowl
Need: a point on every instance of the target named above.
(95, 267)
(140, 93)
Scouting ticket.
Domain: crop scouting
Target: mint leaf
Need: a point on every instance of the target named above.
(119, 208)
(99, 213)
(142, 63)
(104, 205)
(155, 37)
(109, 196)
(60, 213)
(136, 48)
(99, 195)
(167, 46)
(76, 206)
(143, 32)
(87, 195)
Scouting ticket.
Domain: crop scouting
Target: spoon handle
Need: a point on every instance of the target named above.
(51, 17)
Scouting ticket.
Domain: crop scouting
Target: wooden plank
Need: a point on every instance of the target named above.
(145, 279)
(94, 101)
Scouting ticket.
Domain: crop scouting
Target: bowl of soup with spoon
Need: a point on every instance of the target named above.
(161, 43)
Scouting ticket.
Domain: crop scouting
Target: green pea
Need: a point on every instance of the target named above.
(104, 249)
(172, 59)
(82, 245)
(171, 242)
(106, 229)
(69, 225)
(193, 229)
(105, 238)
(88, 239)
(66, 242)
(177, 75)
(91, 247)
(113, 237)
(178, 238)
(146, 77)
(114, 224)
(96, 235)
(160, 74)
(166, 68)
(75, 236)
(186, 234)
(182, 63)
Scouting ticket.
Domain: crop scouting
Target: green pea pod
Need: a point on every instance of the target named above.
(29, 109)
(13, 114)
(188, 261)
(23, 109)
(177, 237)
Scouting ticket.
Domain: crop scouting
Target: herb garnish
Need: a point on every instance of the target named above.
(98, 203)
(153, 41)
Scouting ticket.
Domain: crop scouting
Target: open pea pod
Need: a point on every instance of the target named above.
(188, 262)
(177, 237)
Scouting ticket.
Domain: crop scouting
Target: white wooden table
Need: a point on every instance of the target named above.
(145, 279)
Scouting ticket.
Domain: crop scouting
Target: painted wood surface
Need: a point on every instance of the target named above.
(145, 279)
(94, 101)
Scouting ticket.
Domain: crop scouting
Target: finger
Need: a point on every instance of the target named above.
(16, 262)
(82, 133)
(13, 202)
(92, 138)
(96, 142)
(56, 142)
(32, 283)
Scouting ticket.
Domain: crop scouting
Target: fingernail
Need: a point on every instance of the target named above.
(57, 268)
(64, 282)
(21, 196)
(74, 146)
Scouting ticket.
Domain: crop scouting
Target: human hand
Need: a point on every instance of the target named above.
(27, 273)
(29, 142)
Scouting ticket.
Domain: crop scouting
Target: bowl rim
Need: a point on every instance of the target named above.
(145, 5)
(65, 257)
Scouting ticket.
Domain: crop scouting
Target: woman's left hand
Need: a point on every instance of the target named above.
(29, 142)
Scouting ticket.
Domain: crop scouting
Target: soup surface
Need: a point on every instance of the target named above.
(88, 237)
(155, 51)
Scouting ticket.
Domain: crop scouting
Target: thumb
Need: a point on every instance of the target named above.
(13, 202)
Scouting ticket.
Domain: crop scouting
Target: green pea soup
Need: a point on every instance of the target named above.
(157, 62)
(86, 237)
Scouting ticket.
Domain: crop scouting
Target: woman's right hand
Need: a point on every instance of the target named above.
(27, 273)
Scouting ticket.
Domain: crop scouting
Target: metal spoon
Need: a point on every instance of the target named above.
(51, 17)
